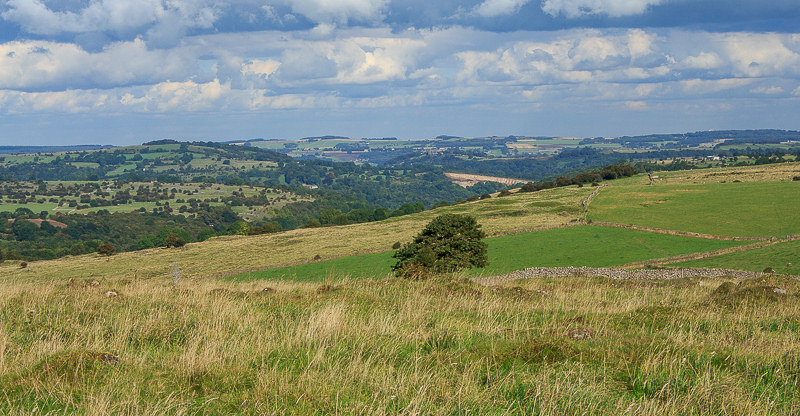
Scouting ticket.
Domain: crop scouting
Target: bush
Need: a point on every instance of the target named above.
(450, 242)
(505, 192)
(105, 249)
(796, 178)
(396, 245)
(174, 240)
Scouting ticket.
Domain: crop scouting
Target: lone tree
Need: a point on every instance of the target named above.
(450, 242)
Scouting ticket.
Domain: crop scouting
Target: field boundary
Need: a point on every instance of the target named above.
(704, 254)
(617, 274)
(760, 242)
(686, 233)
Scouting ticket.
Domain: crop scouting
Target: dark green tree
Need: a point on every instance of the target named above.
(450, 242)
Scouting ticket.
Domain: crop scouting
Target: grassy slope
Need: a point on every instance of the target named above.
(775, 256)
(571, 246)
(733, 209)
(224, 254)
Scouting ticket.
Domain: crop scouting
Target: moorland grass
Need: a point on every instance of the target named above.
(571, 246)
(776, 257)
(552, 347)
(732, 209)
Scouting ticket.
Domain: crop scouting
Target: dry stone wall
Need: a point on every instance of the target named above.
(614, 273)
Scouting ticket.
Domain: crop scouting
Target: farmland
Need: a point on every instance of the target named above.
(570, 246)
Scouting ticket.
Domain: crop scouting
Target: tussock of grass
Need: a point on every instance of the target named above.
(393, 346)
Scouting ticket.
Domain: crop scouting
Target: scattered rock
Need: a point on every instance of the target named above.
(725, 288)
(580, 334)
(325, 289)
(111, 293)
(779, 290)
(267, 290)
(108, 358)
(94, 283)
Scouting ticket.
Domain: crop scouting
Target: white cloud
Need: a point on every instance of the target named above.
(51, 65)
(70, 101)
(340, 12)
(262, 68)
(613, 8)
(767, 90)
(493, 8)
(109, 15)
(178, 96)
(757, 55)
(705, 60)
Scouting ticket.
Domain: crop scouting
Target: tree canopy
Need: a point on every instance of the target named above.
(450, 242)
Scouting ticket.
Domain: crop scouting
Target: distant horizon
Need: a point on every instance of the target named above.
(2, 146)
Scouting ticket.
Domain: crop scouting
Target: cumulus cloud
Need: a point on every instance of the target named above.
(166, 20)
(33, 65)
(613, 8)
(71, 101)
(340, 12)
(376, 67)
(178, 96)
(493, 8)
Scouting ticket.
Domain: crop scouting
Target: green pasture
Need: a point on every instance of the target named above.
(775, 256)
(735, 209)
(572, 246)
(35, 207)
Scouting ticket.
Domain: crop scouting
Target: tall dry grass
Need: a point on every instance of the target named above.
(580, 345)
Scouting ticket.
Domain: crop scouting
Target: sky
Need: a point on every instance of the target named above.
(128, 71)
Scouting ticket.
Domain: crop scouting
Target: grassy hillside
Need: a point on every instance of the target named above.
(571, 246)
(783, 258)
(230, 253)
(758, 209)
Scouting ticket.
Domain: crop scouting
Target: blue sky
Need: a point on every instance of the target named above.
(128, 71)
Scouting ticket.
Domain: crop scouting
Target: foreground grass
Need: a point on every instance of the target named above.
(571, 346)
(734, 209)
(570, 246)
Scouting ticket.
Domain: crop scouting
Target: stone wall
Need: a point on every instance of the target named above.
(613, 273)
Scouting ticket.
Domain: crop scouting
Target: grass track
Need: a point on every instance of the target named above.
(775, 256)
(571, 246)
